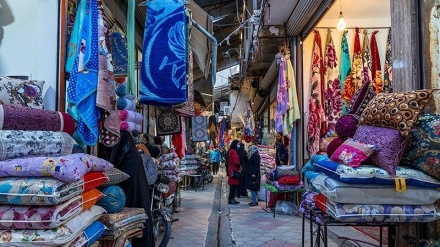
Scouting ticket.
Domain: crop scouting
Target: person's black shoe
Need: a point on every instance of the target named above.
(233, 202)
(238, 196)
(250, 203)
(253, 204)
(236, 202)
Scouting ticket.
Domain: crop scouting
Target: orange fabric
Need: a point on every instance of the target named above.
(90, 198)
(93, 180)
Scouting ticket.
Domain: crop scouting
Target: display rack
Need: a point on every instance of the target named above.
(296, 194)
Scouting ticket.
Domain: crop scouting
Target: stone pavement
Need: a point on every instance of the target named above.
(205, 219)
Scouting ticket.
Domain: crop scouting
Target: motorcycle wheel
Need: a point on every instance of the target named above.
(209, 177)
(161, 229)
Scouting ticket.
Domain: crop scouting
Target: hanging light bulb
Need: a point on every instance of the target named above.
(341, 22)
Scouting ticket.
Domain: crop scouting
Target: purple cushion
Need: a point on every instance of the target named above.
(390, 146)
(346, 125)
(333, 145)
(360, 99)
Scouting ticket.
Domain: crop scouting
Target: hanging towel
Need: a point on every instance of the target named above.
(75, 36)
(351, 86)
(167, 122)
(118, 46)
(188, 107)
(344, 68)
(131, 116)
(388, 68)
(81, 92)
(199, 133)
(130, 126)
(293, 113)
(332, 86)
(376, 70)
(316, 122)
(282, 105)
(164, 53)
(366, 59)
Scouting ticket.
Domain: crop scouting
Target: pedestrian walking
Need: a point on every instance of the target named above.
(253, 174)
(233, 166)
(215, 158)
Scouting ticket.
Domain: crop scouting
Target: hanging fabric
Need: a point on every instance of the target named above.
(119, 50)
(388, 68)
(376, 70)
(366, 59)
(282, 97)
(316, 125)
(199, 132)
(351, 86)
(332, 87)
(212, 127)
(344, 68)
(222, 133)
(188, 107)
(131, 43)
(164, 54)
(250, 124)
(83, 80)
(167, 122)
(293, 113)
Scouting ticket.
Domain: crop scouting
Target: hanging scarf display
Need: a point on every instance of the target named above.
(293, 113)
(164, 54)
(83, 65)
(388, 67)
(376, 70)
(344, 68)
(351, 86)
(366, 59)
(316, 124)
(282, 97)
(332, 87)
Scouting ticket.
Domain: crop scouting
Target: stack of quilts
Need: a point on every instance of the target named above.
(267, 159)
(188, 165)
(169, 165)
(122, 226)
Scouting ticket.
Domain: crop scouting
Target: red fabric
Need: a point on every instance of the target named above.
(274, 197)
(318, 42)
(289, 180)
(321, 202)
(356, 67)
(93, 180)
(376, 70)
(69, 123)
(178, 145)
(233, 165)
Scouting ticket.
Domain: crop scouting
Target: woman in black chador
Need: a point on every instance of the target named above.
(253, 175)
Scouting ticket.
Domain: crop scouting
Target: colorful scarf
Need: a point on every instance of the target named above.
(366, 59)
(332, 87)
(388, 68)
(351, 86)
(252, 149)
(375, 65)
(316, 125)
(164, 54)
(293, 113)
(282, 97)
(344, 68)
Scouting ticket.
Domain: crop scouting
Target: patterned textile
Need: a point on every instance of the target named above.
(113, 234)
(353, 153)
(58, 236)
(114, 199)
(188, 109)
(360, 99)
(396, 110)
(423, 149)
(366, 59)
(118, 46)
(199, 131)
(354, 81)
(115, 176)
(110, 219)
(167, 122)
(388, 67)
(316, 125)
(282, 104)
(293, 113)
(126, 221)
(21, 92)
(68, 168)
(332, 86)
(71, 12)
(121, 240)
(21, 144)
(89, 236)
(376, 70)
(344, 68)
(308, 203)
(37, 191)
(38, 217)
(17, 118)
(163, 69)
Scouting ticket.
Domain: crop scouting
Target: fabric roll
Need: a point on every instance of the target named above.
(118, 45)
(376, 69)
(25, 118)
(130, 116)
(164, 54)
(344, 68)
(388, 67)
(125, 104)
(121, 90)
(130, 126)
(20, 144)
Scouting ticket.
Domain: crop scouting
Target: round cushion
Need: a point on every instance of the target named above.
(346, 126)
(114, 199)
(333, 145)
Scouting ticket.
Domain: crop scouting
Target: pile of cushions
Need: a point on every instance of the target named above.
(267, 157)
(169, 165)
(188, 165)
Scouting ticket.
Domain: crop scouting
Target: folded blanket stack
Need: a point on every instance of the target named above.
(169, 165)
(267, 159)
(188, 165)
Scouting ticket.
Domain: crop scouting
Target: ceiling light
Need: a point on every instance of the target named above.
(341, 22)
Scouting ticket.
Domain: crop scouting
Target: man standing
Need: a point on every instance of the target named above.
(215, 157)
(281, 156)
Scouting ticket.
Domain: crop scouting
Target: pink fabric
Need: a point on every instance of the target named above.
(130, 116)
(130, 126)
(352, 153)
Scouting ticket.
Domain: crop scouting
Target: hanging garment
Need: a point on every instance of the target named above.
(249, 124)
(199, 132)
(222, 133)
(167, 122)
(81, 92)
(388, 68)
(282, 97)
(375, 65)
(366, 59)
(164, 53)
(344, 68)
(188, 107)
(293, 113)
(351, 86)
(177, 142)
(332, 87)
(316, 123)
(118, 46)
(212, 126)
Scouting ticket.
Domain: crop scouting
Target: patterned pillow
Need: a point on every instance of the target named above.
(114, 199)
(346, 126)
(353, 153)
(21, 92)
(423, 149)
(360, 99)
(396, 110)
(115, 176)
(390, 145)
(325, 141)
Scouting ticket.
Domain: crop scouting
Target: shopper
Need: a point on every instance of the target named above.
(154, 151)
(215, 158)
(125, 157)
(243, 164)
(233, 164)
(281, 156)
(253, 174)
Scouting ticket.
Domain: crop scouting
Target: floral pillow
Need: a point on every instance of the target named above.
(21, 92)
(353, 153)
(396, 110)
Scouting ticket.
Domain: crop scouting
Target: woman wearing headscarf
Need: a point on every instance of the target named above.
(243, 163)
(253, 175)
(233, 165)
(126, 158)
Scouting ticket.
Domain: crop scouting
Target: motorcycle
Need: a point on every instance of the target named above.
(164, 201)
(206, 175)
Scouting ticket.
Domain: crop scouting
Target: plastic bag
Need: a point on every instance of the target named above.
(286, 207)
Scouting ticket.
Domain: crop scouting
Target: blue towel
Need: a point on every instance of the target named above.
(164, 65)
